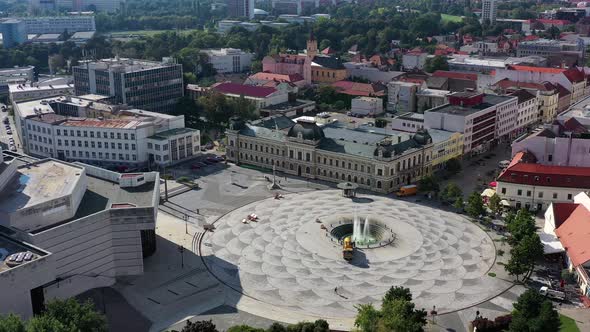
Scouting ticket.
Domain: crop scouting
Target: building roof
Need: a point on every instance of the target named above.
(523, 95)
(359, 89)
(245, 90)
(267, 76)
(106, 123)
(164, 135)
(309, 130)
(327, 62)
(574, 75)
(562, 211)
(574, 235)
(536, 69)
(507, 83)
(527, 173)
(455, 75)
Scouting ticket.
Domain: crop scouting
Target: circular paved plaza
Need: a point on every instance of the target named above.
(287, 260)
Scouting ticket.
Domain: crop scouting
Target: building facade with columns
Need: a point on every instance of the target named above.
(376, 161)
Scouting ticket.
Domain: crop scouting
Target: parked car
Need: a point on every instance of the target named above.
(195, 166)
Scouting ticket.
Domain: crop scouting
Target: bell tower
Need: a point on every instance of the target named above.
(312, 46)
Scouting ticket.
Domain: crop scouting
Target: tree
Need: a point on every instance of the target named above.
(459, 204)
(524, 254)
(277, 327)
(199, 326)
(244, 328)
(474, 206)
(326, 94)
(397, 292)
(451, 192)
(495, 204)
(428, 183)
(11, 323)
(533, 312)
(439, 62)
(367, 318)
(453, 166)
(520, 225)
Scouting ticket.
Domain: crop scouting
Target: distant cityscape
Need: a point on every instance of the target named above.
(295, 165)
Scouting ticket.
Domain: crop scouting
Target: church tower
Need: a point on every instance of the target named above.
(312, 46)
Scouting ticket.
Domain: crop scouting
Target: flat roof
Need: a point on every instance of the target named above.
(164, 135)
(9, 246)
(439, 135)
(126, 65)
(27, 87)
(38, 182)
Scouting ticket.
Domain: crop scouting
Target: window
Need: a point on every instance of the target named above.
(307, 157)
(554, 195)
(118, 135)
(85, 144)
(569, 196)
(132, 147)
(550, 157)
(112, 135)
(164, 147)
(125, 136)
(104, 135)
(99, 144)
(540, 194)
(92, 144)
(120, 146)
(290, 153)
(132, 136)
(149, 145)
(126, 146)
(528, 193)
(58, 132)
(58, 142)
(519, 192)
(112, 145)
(299, 155)
(503, 190)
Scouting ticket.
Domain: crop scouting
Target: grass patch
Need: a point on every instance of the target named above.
(568, 324)
(451, 18)
(144, 33)
(492, 274)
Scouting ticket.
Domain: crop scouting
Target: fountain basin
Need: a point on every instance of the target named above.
(375, 236)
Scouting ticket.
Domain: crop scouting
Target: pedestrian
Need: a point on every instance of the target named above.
(336, 289)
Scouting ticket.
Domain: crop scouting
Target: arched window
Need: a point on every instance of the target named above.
(379, 184)
(291, 166)
(336, 175)
(368, 182)
(349, 177)
(343, 176)
(355, 179)
(362, 181)
(307, 170)
(324, 172)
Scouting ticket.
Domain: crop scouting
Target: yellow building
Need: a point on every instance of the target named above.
(446, 145)
(324, 68)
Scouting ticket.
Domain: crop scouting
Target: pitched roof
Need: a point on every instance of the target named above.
(562, 211)
(328, 62)
(536, 69)
(574, 75)
(573, 125)
(574, 235)
(455, 75)
(328, 51)
(246, 90)
(507, 83)
(527, 173)
(267, 76)
(523, 95)
(562, 91)
(359, 89)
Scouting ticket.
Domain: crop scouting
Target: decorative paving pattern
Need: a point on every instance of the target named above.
(285, 259)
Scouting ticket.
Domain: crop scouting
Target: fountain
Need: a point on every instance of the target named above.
(361, 233)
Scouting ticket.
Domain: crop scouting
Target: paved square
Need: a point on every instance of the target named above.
(286, 260)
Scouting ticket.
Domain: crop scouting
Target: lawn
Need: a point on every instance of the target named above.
(568, 324)
(451, 18)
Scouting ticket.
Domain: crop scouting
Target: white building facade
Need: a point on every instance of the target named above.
(229, 60)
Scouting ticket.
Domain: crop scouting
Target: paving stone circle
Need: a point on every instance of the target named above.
(286, 259)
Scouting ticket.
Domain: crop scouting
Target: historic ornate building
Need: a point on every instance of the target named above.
(375, 160)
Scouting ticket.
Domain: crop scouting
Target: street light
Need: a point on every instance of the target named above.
(181, 249)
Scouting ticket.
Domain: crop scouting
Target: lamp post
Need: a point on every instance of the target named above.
(181, 250)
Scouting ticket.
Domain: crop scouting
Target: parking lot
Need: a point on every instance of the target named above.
(7, 131)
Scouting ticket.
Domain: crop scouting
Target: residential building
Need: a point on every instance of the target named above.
(240, 8)
(327, 69)
(401, 96)
(489, 11)
(414, 59)
(373, 159)
(566, 232)
(13, 32)
(288, 64)
(527, 184)
(547, 95)
(527, 111)
(229, 60)
(562, 143)
(259, 96)
(265, 78)
(360, 89)
(446, 145)
(31, 91)
(59, 24)
(542, 24)
(75, 227)
(88, 129)
(458, 81)
(149, 85)
(366, 106)
(565, 99)
(367, 71)
(481, 118)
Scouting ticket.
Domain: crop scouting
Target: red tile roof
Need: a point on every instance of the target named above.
(547, 21)
(507, 83)
(359, 89)
(455, 75)
(574, 235)
(527, 173)
(246, 90)
(562, 211)
(574, 75)
(328, 51)
(537, 69)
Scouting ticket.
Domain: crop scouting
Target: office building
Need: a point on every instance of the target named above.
(31, 91)
(59, 24)
(13, 32)
(229, 60)
(109, 6)
(149, 85)
(68, 228)
(240, 8)
(489, 11)
(91, 130)
(481, 118)
(374, 158)
(549, 48)
(16, 75)
(401, 96)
